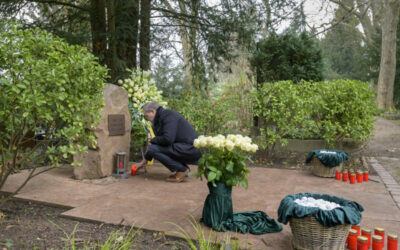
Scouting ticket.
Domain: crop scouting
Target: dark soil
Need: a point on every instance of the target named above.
(27, 225)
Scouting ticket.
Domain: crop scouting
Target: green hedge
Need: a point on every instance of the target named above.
(332, 111)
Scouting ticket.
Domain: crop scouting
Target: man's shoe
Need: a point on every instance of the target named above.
(173, 175)
(179, 177)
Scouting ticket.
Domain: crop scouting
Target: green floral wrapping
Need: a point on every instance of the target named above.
(348, 213)
(328, 157)
(218, 214)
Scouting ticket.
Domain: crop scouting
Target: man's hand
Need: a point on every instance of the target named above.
(141, 164)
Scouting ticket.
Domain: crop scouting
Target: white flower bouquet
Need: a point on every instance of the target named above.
(141, 89)
(224, 158)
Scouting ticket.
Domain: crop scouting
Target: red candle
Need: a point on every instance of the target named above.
(377, 242)
(338, 175)
(352, 240)
(352, 179)
(359, 176)
(381, 232)
(133, 170)
(367, 233)
(345, 175)
(362, 243)
(366, 176)
(392, 242)
(357, 228)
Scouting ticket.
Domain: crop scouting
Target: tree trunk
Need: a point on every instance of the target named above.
(145, 35)
(388, 55)
(127, 20)
(268, 19)
(196, 69)
(186, 46)
(112, 50)
(187, 50)
(132, 41)
(98, 24)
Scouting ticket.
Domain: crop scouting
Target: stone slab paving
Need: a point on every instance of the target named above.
(147, 201)
(391, 184)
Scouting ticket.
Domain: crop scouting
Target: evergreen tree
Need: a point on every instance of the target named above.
(288, 57)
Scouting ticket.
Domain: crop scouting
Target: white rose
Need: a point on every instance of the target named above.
(229, 145)
(196, 143)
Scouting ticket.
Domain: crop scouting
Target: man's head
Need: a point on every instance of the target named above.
(150, 110)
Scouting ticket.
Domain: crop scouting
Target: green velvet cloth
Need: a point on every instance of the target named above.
(348, 213)
(218, 214)
(328, 157)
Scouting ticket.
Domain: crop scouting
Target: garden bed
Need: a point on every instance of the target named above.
(27, 225)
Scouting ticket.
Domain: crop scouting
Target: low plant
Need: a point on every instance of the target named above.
(117, 240)
(201, 241)
(224, 158)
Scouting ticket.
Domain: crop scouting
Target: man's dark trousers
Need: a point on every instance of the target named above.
(173, 157)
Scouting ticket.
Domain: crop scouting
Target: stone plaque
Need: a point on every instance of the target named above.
(116, 125)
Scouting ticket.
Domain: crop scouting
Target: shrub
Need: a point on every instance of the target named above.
(236, 90)
(208, 116)
(45, 84)
(331, 111)
(288, 57)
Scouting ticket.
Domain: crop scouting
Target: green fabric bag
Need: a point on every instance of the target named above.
(328, 157)
(218, 214)
(348, 213)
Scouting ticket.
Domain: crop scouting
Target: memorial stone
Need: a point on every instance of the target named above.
(112, 135)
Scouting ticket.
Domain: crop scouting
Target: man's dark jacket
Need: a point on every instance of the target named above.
(173, 129)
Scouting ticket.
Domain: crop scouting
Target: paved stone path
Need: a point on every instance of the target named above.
(147, 201)
(391, 185)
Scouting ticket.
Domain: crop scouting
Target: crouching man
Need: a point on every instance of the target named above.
(173, 141)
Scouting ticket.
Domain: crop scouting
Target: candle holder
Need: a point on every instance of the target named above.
(120, 168)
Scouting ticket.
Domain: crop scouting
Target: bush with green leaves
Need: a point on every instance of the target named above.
(208, 116)
(289, 56)
(50, 86)
(332, 111)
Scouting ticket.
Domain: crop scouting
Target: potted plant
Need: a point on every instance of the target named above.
(224, 159)
(223, 164)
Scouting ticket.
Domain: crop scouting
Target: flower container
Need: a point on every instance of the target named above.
(315, 228)
(319, 169)
(308, 233)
